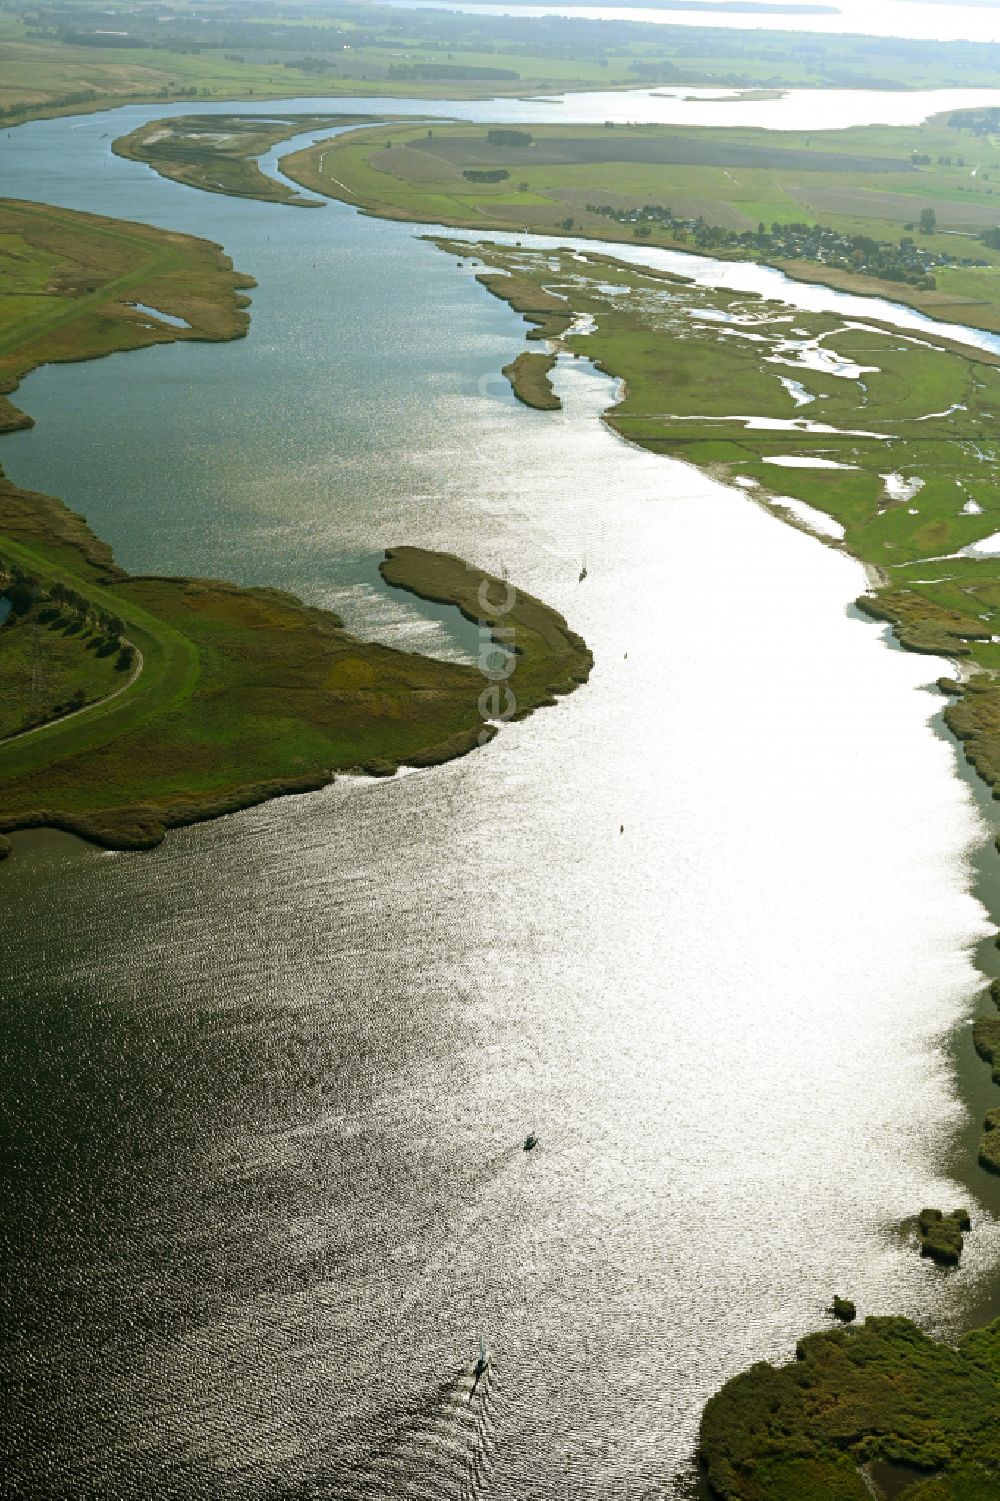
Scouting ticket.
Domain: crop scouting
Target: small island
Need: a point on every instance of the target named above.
(942, 1235)
(529, 380)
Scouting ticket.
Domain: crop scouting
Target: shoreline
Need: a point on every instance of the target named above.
(259, 792)
(241, 694)
(968, 720)
(300, 167)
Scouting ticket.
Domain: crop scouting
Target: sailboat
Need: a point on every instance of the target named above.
(583, 571)
(481, 1367)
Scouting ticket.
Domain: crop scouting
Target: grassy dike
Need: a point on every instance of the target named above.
(243, 694)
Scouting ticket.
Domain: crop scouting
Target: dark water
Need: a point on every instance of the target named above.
(267, 1087)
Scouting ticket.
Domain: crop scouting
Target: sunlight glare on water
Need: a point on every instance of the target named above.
(704, 926)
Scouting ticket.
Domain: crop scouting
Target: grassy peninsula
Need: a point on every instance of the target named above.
(155, 702)
(218, 152)
(246, 694)
(529, 375)
(894, 212)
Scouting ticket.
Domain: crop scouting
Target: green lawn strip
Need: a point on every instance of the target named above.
(51, 664)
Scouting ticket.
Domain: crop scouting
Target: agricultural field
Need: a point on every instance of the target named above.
(741, 193)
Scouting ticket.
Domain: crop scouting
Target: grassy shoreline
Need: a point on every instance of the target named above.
(568, 179)
(73, 283)
(249, 694)
(218, 153)
(245, 693)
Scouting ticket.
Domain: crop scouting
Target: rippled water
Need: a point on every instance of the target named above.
(704, 926)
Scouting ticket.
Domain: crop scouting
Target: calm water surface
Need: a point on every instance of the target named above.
(268, 1084)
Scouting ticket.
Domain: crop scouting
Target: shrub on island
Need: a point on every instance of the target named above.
(941, 1236)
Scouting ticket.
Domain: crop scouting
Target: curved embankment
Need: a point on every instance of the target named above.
(249, 694)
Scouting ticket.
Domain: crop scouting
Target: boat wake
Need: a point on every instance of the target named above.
(439, 1452)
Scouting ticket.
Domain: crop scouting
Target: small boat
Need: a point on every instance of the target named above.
(583, 571)
(530, 1142)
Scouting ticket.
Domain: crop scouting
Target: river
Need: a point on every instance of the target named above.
(707, 927)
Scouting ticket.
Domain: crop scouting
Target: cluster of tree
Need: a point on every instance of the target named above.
(24, 592)
(309, 64)
(980, 121)
(69, 601)
(502, 137)
(80, 96)
(902, 262)
(486, 174)
(101, 39)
